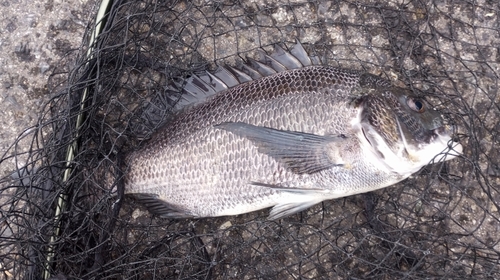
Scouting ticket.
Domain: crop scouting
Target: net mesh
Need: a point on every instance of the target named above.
(63, 218)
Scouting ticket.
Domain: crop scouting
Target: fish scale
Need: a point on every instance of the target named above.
(288, 140)
(328, 79)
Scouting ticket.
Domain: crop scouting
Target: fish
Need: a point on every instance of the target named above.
(283, 131)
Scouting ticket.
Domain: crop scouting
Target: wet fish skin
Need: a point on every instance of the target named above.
(289, 140)
(316, 80)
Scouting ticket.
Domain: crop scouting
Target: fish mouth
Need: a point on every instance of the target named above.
(447, 138)
(441, 130)
(409, 156)
(439, 147)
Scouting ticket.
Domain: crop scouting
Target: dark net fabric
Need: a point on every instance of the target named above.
(68, 219)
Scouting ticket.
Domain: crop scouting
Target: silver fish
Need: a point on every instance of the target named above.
(287, 133)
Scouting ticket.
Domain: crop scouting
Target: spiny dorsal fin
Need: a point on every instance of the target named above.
(226, 76)
(300, 53)
(214, 82)
(251, 71)
(286, 59)
(197, 88)
(240, 75)
(271, 61)
(261, 67)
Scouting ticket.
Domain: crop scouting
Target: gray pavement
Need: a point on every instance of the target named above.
(35, 36)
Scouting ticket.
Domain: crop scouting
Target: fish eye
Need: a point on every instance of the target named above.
(416, 105)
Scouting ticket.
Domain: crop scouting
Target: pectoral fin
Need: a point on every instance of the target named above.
(302, 153)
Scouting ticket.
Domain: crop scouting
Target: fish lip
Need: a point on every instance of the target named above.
(447, 131)
(442, 130)
(454, 147)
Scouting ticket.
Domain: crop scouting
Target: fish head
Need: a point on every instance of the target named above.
(403, 131)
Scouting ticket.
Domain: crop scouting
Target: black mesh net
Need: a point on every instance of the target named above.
(60, 212)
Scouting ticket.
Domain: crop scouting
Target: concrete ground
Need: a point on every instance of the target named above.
(34, 38)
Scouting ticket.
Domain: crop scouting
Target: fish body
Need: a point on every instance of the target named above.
(286, 139)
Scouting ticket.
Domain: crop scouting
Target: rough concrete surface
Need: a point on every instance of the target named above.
(34, 37)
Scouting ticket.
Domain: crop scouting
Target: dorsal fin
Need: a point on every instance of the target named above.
(285, 58)
(214, 82)
(251, 71)
(271, 61)
(226, 76)
(300, 53)
(197, 88)
(260, 67)
(240, 75)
